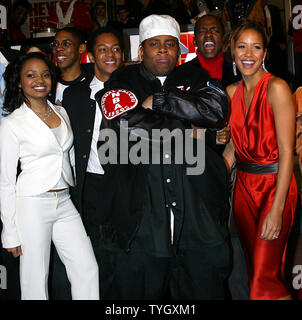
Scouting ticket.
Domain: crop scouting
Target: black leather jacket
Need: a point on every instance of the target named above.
(179, 103)
(204, 104)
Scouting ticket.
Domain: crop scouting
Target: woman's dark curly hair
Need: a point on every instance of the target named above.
(13, 95)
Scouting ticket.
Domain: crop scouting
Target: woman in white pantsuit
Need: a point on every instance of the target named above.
(35, 204)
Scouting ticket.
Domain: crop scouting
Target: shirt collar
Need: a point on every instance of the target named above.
(146, 73)
(3, 60)
(95, 86)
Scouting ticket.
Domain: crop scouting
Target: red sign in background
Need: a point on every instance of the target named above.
(186, 38)
(39, 14)
(38, 18)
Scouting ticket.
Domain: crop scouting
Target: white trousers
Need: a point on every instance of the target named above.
(52, 216)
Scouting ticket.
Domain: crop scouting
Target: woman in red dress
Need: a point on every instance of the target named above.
(263, 135)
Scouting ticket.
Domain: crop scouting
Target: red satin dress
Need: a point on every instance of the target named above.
(255, 141)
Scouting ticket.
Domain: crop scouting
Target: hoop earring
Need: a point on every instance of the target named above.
(263, 66)
(234, 68)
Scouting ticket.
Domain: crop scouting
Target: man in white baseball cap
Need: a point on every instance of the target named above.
(156, 25)
(160, 46)
(157, 229)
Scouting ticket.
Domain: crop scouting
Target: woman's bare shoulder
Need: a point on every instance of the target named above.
(230, 89)
(277, 85)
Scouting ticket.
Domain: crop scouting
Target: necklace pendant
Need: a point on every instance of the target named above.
(46, 114)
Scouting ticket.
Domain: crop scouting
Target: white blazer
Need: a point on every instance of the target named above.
(26, 138)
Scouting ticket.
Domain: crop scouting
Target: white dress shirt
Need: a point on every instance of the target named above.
(59, 133)
(94, 165)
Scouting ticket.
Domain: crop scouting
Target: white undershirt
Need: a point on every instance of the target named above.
(59, 92)
(94, 165)
(162, 79)
(59, 134)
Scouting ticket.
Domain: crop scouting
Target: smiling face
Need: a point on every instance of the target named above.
(35, 79)
(160, 54)
(67, 50)
(107, 55)
(249, 52)
(208, 37)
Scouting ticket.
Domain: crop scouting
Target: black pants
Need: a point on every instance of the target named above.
(94, 192)
(12, 291)
(139, 276)
(238, 279)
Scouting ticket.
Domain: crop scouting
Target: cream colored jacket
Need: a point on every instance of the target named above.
(25, 138)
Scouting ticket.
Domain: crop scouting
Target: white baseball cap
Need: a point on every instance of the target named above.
(159, 25)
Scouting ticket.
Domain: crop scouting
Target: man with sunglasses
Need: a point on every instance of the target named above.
(67, 48)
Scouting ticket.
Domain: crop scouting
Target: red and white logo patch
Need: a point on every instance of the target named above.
(116, 102)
